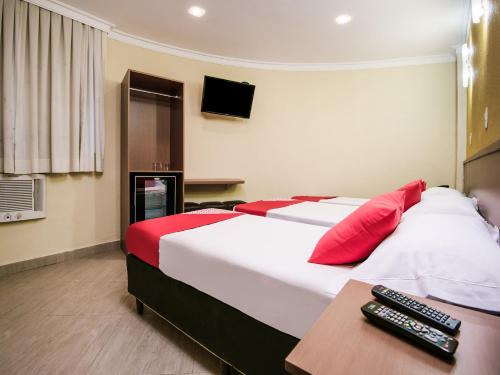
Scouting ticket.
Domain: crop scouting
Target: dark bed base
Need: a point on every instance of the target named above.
(239, 340)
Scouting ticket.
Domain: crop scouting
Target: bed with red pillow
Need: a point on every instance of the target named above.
(271, 285)
(307, 212)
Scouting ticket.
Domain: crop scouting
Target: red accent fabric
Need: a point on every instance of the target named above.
(355, 237)
(313, 198)
(423, 185)
(413, 193)
(143, 238)
(260, 208)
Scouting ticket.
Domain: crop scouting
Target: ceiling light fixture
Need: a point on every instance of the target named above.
(343, 19)
(477, 10)
(196, 11)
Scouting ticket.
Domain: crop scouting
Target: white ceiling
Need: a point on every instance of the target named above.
(293, 31)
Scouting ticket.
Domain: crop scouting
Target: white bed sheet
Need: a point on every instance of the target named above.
(257, 265)
(326, 215)
(348, 201)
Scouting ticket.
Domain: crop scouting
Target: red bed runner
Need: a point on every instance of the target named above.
(143, 238)
(313, 198)
(260, 208)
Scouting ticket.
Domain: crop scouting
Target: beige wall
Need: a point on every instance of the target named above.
(359, 133)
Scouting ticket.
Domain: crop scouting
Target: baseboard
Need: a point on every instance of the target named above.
(29, 264)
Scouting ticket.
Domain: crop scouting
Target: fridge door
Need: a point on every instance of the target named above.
(154, 196)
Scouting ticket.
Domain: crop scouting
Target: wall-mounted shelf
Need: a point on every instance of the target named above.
(213, 181)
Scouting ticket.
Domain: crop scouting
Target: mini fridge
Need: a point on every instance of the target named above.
(153, 195)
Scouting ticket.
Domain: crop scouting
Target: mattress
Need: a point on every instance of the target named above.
(257, 265)
(326, 215)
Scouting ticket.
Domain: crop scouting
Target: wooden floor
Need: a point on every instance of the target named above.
(76, 317)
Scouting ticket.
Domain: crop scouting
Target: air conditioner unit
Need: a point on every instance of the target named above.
(22, 197)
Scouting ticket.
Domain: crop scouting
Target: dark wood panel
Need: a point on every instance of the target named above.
(124, 160)
(177, 132)
(482, 180)
(155, 83)
(149, 133)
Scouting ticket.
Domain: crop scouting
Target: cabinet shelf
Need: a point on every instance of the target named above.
(213, 181)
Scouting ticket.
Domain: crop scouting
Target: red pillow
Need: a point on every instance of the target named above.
(423, 185)
(355, 237)
(413, 193)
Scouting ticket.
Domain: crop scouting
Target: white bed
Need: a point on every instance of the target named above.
(259, 265)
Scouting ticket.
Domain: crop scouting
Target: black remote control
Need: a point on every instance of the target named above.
(420, 333)
(417, 309)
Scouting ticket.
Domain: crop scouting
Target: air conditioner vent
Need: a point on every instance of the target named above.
(22, 197)
(16, 195)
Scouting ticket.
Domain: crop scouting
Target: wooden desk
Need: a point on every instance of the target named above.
(343, 341)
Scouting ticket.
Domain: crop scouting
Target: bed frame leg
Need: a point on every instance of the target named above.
(139, 306)
(225, 368)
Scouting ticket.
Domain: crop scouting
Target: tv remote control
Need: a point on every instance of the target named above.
(420, 333)
(419, 310)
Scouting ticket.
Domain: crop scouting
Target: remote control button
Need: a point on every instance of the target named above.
(431, 338)
(417, 326)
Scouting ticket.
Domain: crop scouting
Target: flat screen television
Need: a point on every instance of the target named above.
(229, 98)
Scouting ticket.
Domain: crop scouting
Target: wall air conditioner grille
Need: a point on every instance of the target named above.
(16, 195)
(22, 197)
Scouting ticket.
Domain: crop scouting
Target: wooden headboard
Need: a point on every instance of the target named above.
(482, 180)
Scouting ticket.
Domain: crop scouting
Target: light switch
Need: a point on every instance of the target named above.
(486, 118)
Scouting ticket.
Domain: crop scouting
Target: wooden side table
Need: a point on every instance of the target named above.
(344, 342)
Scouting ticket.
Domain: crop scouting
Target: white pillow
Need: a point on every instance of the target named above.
(450, 204)
(440, 191)
(451, 257)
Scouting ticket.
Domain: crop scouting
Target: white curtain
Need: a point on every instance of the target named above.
(51, 86)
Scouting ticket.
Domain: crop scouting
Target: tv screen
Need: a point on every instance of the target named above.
(228, 98)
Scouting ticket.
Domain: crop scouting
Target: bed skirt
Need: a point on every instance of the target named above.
(241, 341)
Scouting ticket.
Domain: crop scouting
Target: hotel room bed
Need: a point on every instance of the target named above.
(243, 285)
(440, 248)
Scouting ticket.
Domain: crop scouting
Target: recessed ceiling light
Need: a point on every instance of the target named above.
(196, 11)
(343, 19)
